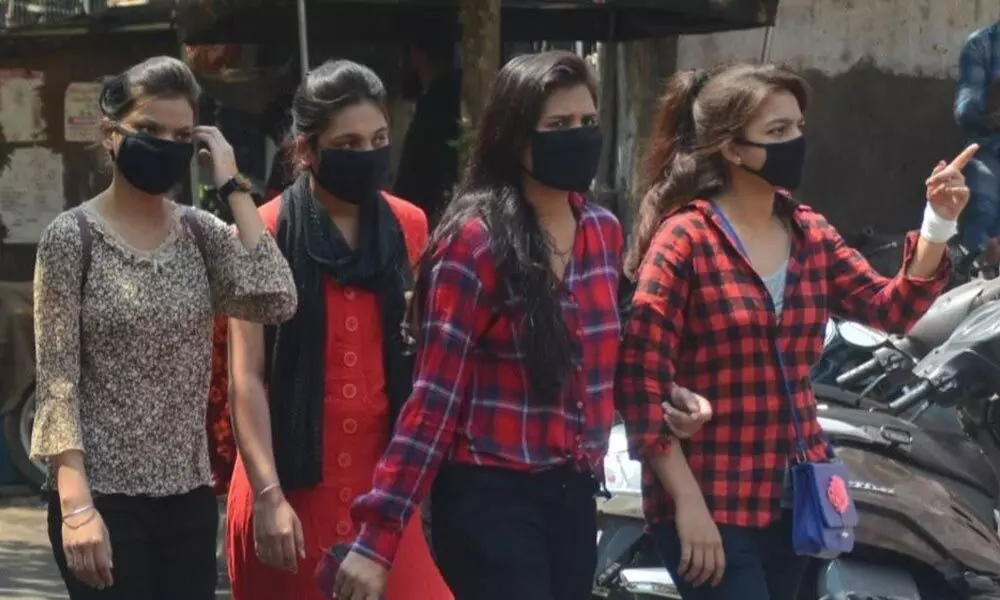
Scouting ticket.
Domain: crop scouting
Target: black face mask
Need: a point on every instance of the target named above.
(783, 164)
(353, 176)
(151, 164)
(566, 159)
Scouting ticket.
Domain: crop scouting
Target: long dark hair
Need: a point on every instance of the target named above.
(491, 191)
(699, 113)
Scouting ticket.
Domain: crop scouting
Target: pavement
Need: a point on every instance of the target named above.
(27, 570)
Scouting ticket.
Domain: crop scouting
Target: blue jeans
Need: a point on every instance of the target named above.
(981, 219)
(760, 563)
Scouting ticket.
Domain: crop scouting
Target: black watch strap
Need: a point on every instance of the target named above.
(236, 183)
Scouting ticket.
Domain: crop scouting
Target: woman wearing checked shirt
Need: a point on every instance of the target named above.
(728, 264)
(516, 350)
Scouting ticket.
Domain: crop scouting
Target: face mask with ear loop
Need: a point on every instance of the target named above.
(151, 164)
(783, 163)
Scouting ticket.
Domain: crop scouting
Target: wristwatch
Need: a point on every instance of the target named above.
(236, 183)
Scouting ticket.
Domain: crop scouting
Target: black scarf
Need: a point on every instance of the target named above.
(295, 350)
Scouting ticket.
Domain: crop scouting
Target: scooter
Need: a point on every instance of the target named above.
(927, 497)
(17, 408)
(849, 345)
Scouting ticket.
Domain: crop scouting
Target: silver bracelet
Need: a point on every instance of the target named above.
(78, 511)
(267, 488)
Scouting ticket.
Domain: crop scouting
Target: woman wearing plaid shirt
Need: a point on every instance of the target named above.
(726, 264)
(516, 353)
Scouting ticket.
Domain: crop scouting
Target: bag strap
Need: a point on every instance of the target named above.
(197, 231)
(86, 245)
(800, 443)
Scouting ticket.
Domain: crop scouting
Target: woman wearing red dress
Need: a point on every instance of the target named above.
(314, 399)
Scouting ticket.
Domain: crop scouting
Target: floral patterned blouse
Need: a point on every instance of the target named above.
(123, 367)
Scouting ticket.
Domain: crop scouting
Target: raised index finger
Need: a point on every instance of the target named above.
(962, 159)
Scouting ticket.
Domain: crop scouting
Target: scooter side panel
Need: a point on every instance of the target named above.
(905, 512)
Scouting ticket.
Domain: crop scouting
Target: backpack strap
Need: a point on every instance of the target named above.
(86, 245)
(191, 222)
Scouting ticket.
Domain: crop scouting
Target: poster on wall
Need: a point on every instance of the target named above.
(81, 112)
(31, 193)
(21, 119)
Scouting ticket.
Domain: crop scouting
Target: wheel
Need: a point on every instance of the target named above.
(17, 432)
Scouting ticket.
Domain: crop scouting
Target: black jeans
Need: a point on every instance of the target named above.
(162, 548)
(760, 563)
(500, 535)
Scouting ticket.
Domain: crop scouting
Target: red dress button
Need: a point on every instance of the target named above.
(344, 460)
(345, 495)
(350, 359)
(343, 529)
(350, 294)
(351, 324)
(350, 426)
(349, 390)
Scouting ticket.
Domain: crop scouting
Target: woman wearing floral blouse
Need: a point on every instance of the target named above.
(125, 290)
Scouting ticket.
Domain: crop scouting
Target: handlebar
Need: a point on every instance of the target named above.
(910, 398)
(858, 373)
(967, 262)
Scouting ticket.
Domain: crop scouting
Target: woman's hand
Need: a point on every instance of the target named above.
(220, 151)
(359, 578)
(87, 545)
(702, 556)
(277, 532)
(946, 190)
(686, 412)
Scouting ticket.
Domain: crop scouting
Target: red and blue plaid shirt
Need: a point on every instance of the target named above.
(702, 318)
(471, 402)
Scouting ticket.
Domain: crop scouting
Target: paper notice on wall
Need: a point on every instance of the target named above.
(21, 117)
(81, 112)
(31, 193)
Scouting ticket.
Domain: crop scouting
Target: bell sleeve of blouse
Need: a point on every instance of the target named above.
(253, 284)
(653, 329)
(860, 293)
(57, 340)
(452, 314)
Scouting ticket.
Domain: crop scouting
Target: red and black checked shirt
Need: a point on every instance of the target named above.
(702, 318)
(470, 401)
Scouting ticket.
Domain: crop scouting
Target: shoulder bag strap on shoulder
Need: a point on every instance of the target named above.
(191, 222)
(86, 245)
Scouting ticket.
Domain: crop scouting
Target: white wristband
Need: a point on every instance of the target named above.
(935, 229)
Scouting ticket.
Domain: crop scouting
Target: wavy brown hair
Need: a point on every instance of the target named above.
(699, 114)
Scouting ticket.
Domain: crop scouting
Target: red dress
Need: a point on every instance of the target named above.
(356, 433)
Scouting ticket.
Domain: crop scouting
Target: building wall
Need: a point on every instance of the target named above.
(883, 74)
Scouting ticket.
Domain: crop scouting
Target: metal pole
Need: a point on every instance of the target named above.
(765, 51)
(300, 9)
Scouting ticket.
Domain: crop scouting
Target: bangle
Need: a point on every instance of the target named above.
(267, 488)
(89, 518)
(935, 229)
(77, 511)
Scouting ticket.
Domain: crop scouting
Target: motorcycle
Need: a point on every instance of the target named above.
(849, 345)
(927, 497)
